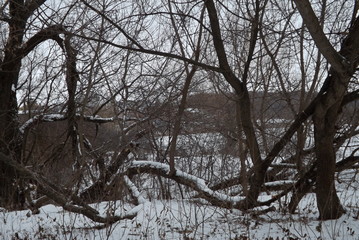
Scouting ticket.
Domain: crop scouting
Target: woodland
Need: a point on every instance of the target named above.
(247, 106)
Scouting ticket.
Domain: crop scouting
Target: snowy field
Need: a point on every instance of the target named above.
(190, 220)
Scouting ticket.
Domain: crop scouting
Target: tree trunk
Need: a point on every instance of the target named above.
(10, 142)
(324, 130)
(343, 66)
(10, 138)
(242, 154)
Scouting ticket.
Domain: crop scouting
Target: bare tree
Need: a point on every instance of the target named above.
(137, 63)
(343, 67)
(16, 14)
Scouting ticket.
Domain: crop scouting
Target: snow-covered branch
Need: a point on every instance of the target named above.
(60, 117)
(196, 183)
(41, 118)
(134, 190)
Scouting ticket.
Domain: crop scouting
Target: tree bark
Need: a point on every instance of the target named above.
(10, 143)
(343, 67)
(15, 49)
(72, 78)
(241, 91)
(324, 119)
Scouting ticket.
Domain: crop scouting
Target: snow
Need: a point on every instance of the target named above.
(189, 218)
(178, 220)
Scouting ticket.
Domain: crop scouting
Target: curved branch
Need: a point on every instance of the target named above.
(97, 189)
(39, 119)
(197, 184)
(134, 191)
(321, 41)
(48, 33)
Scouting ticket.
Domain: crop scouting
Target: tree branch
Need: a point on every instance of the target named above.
(324, 46)
(51, 32)
(237, 85)
(113, 23)
(97, 189)
(308, 180)
(154, 52)
(134, 191)
(59, 117)
(66, 201)
(198, 184)
(32, 5)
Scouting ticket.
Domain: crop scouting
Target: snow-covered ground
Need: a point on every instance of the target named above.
(186, 219)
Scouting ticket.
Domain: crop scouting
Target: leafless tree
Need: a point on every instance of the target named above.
(136, 64)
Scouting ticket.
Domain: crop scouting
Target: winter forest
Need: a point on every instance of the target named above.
(179, 119)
